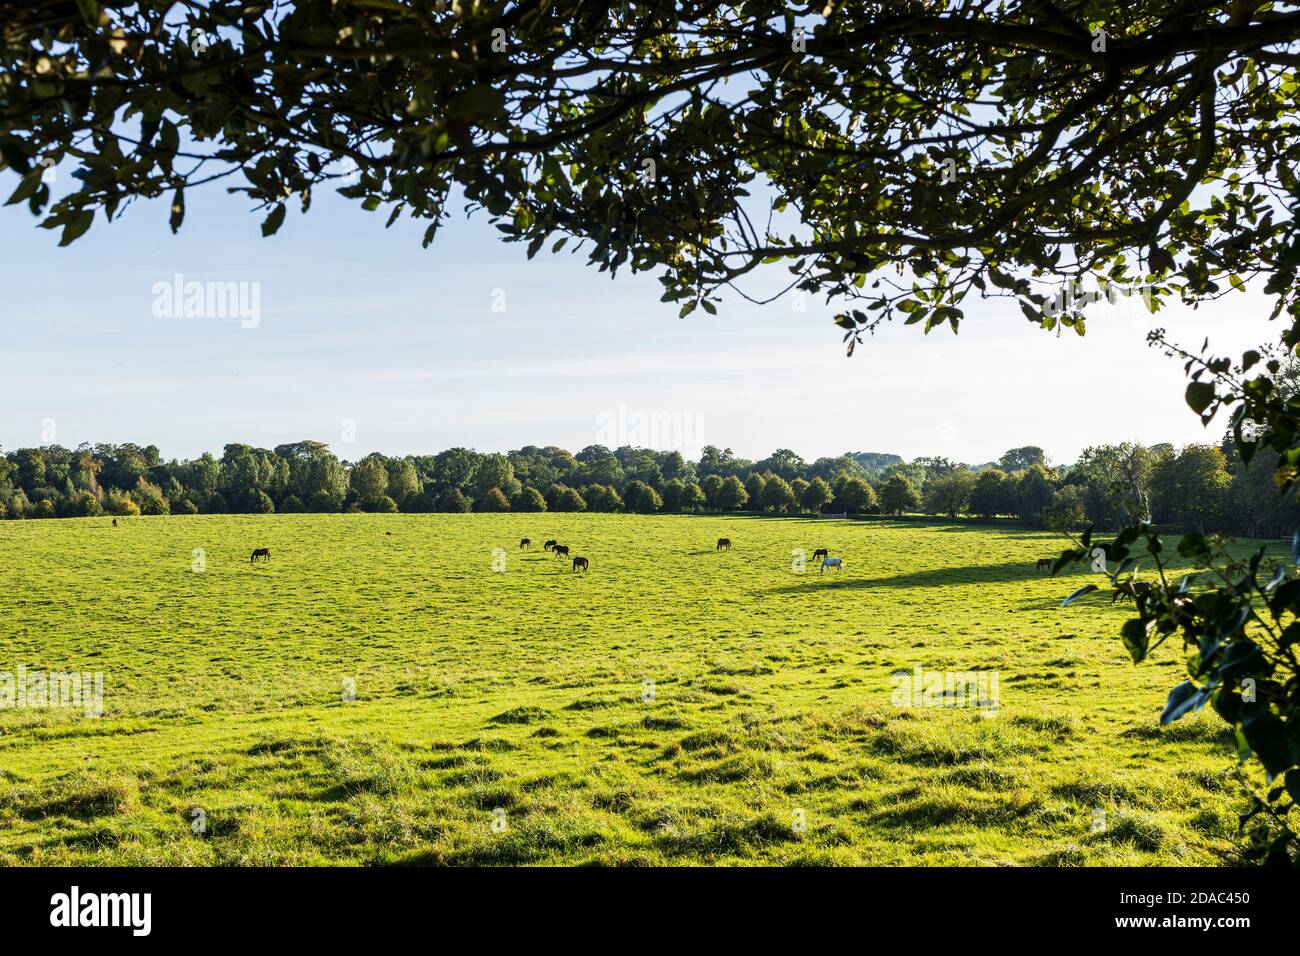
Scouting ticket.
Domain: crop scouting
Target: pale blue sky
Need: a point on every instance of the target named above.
(359, 323)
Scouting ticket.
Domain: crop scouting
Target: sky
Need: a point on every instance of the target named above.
(364, 340)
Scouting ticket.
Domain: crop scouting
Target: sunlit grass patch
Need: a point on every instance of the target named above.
(366, 698)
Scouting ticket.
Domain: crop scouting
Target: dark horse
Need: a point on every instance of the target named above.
(114, 522)
(548, 545)
(820, 553)
(260, 553)
(562, 549)
(723, 543)
(525, 543)
(580, 563)
(1044, 564)
(1129, 590)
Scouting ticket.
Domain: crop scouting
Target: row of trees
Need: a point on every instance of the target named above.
(1198, 487)
(53, 481)
(1201, 487)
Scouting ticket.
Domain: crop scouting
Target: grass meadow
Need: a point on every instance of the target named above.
(505, 718)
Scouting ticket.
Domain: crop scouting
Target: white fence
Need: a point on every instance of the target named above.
(842, 514)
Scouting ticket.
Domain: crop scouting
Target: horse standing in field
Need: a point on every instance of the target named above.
(821, 553)
(580, 562)
(525, 543)
(561, 549)
(114, 522)
(723, 543)
(836, 563)
(548, 545)
(1044, 564)
(1130, 590)
(260, 553)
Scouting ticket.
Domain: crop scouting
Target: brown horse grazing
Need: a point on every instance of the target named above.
(821, 553)
(548, 545)
(525, 543)
(260, 553)
(723, 543)
(1044, 564)
(561, 549)
(114, 522)
(1130, 590)
(580, 562)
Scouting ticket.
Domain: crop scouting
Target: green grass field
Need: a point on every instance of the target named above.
(771, 737)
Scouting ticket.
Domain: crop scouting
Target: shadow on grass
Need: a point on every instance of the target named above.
(935, 577)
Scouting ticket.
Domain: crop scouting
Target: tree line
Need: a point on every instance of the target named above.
(1202, 487)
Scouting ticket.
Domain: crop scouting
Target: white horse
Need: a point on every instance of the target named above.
(836, 563)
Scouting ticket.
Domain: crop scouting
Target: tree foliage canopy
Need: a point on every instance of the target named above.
(976, 146)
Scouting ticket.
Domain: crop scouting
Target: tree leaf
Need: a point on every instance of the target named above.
(272, 223)
(77, 226)
(1199, 396)
(178, 210)
(1086, 589)
(1135, 635)
(1183, 698)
